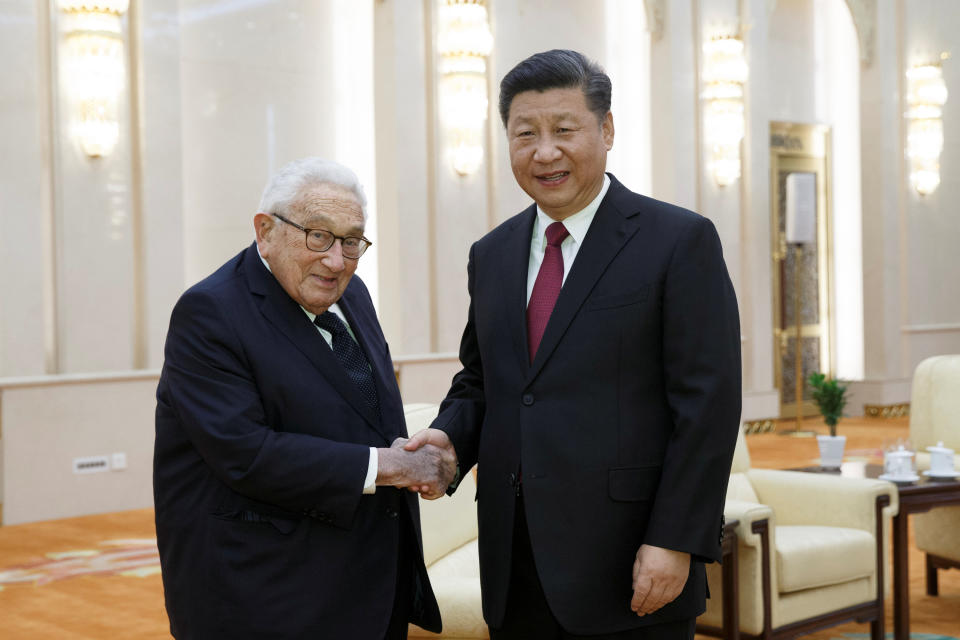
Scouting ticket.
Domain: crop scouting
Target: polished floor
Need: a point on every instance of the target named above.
(96, 577)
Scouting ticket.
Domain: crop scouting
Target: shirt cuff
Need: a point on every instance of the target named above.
(370, 483)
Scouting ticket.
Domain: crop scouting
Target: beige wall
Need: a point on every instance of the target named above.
(47, 422)
(95, 252)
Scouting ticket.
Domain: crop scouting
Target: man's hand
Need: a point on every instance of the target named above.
(658, 577)
(439, 439)
(428, 469)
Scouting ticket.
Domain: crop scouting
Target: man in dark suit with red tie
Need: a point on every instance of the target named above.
(600, 389)
(278, 507)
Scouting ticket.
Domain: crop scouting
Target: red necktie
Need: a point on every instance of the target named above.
(546, 288)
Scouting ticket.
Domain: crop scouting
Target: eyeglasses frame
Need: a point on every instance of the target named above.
(306, 235)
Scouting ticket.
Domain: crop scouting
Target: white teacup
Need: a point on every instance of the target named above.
(899, 463)
(941, 460)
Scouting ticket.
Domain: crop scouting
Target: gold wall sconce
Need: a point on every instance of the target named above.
(93, 70)
(724, 73)
(464, 41)
(926, 95)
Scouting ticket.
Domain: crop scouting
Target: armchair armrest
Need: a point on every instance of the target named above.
(801, 498)
(747, 513)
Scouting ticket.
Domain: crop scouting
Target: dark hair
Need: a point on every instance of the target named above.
(557, 69)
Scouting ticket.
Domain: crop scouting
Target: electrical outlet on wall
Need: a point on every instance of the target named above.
(118, 461)
(91, 464)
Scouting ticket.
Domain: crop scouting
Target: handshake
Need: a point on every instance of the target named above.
(425, 463)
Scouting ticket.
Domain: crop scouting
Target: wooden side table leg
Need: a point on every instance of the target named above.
(901, 579)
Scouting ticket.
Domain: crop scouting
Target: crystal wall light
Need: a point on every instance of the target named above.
(464, 41)
(926, 95)
(93, 70)
(724, 72)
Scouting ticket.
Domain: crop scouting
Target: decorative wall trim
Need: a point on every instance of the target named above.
(864, 14)
(419, 358)
(78, 378)
(656, 15)
(897, 410)
(136, 132)
(48, 192)
(766, 425)
(945, 327)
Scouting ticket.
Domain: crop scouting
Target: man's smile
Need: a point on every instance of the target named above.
(553, 178)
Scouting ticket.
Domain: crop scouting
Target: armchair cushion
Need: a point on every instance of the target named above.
(934, 406)
(934, 403)
(456, 583)
(739, 488)
(936, 532)
(809, 557)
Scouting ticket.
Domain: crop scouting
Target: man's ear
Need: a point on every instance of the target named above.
(263, 225)
(606, 128)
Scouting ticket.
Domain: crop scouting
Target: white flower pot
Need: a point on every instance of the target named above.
(831, 450)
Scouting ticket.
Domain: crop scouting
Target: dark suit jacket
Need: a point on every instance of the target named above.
(262, 445)
(625, 423)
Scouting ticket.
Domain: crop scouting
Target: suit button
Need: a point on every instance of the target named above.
(392, 513)
(527, 399)
(513, 479)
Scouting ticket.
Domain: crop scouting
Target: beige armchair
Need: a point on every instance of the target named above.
(811, 551)
(450, 549)
(935, 417)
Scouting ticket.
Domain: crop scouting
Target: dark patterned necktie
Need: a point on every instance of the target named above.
(546, 288)
(351, 357)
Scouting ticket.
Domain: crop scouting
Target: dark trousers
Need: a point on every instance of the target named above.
(403, 598)
(528, 615)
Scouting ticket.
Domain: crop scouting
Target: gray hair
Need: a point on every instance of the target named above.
(287, 185)
(557, 69)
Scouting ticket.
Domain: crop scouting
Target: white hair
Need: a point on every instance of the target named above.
(288, 184)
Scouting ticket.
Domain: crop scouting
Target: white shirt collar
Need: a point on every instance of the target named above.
(577, 225)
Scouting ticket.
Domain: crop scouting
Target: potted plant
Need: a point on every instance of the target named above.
(831, 398)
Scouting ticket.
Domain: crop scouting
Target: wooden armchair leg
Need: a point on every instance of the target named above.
(877, 628)
(932, 586)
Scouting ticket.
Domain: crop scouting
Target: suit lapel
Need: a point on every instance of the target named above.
(615, 222)
(516, 263)
(287, 316)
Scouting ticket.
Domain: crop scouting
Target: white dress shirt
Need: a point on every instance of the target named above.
(370, 482)
(577, 226)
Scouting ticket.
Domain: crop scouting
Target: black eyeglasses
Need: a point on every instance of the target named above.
(321, 240)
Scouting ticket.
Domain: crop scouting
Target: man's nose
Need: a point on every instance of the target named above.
(547, 150)
(333, 257)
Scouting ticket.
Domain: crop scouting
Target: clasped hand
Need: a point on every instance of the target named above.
(658, 577)
(426, 463)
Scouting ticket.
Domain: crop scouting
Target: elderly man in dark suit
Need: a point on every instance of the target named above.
(278, 511)
(600, 389)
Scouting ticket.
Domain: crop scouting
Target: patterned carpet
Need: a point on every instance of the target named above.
(132, 558)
